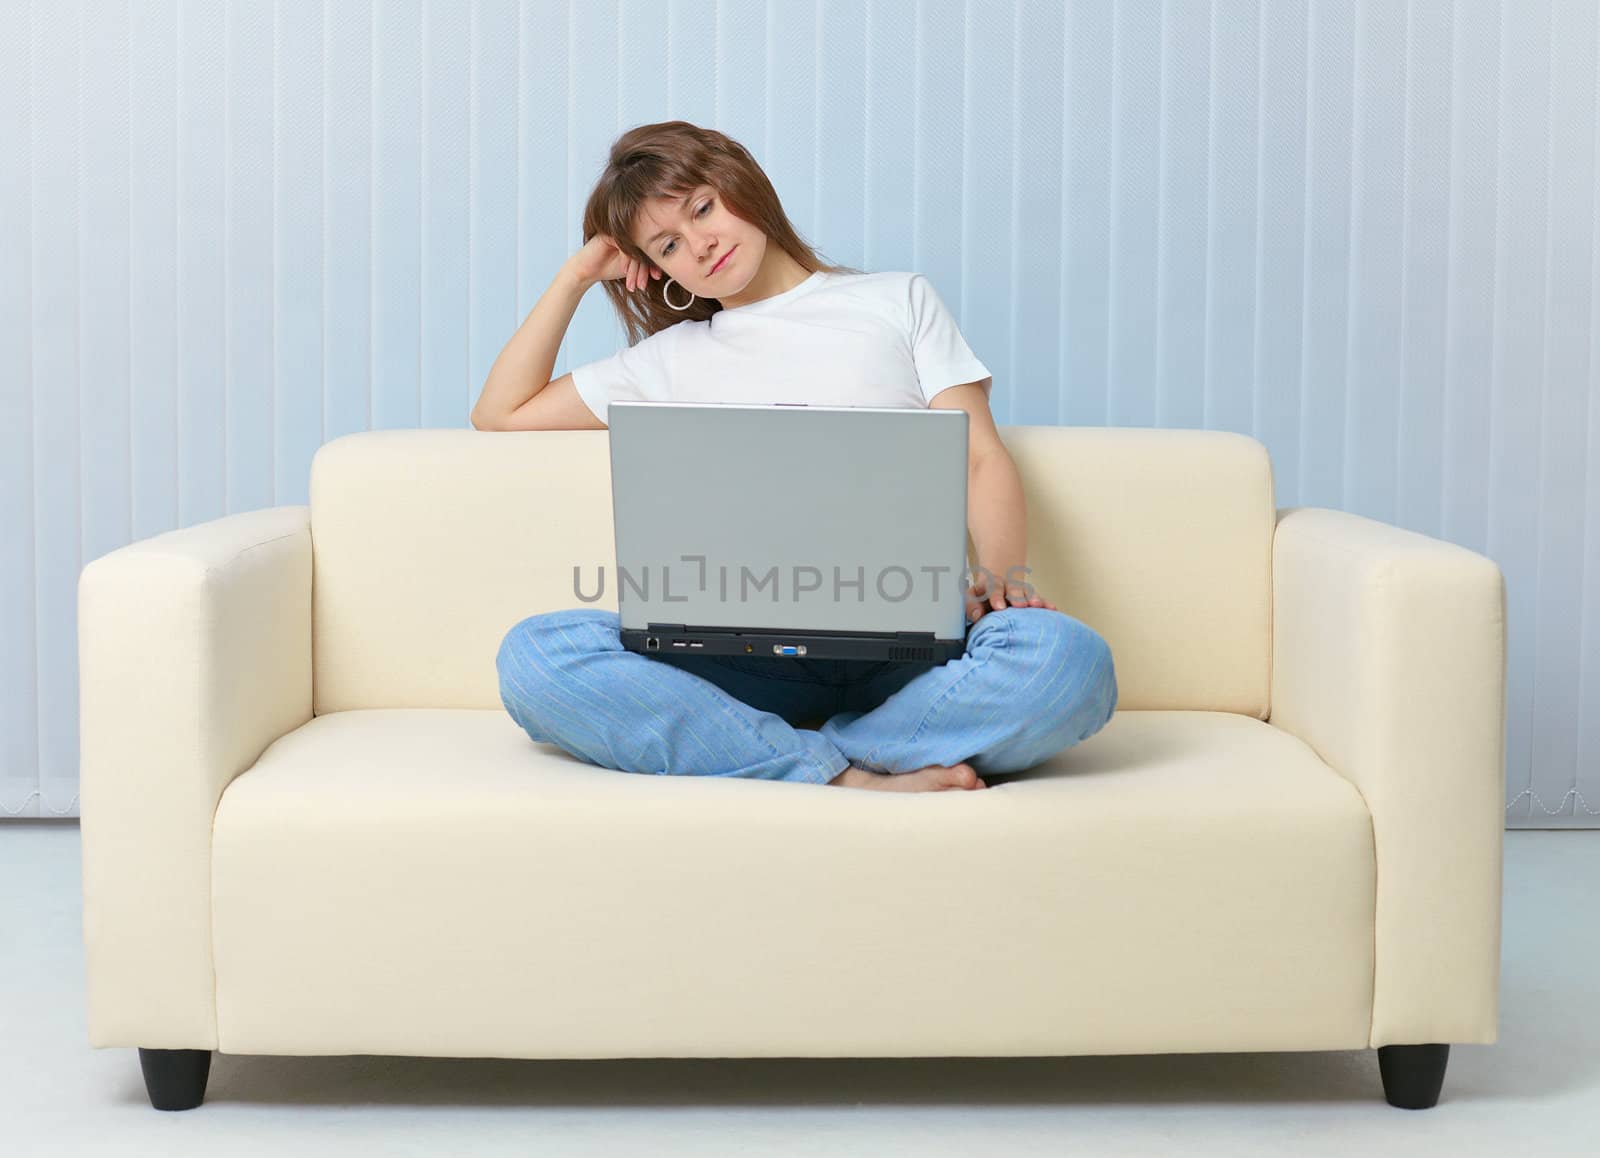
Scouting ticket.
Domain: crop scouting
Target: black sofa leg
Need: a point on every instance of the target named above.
(175, 1079)
(1412, 1074)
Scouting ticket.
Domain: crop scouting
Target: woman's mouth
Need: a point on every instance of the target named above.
(722, 261)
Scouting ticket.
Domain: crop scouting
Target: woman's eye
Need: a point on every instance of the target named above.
(704, 209)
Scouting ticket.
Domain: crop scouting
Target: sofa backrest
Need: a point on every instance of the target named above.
(429, 545)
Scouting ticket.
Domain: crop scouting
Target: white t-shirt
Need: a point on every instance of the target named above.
(871, 339)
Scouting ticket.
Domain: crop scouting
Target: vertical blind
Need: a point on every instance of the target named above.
(1361, 231)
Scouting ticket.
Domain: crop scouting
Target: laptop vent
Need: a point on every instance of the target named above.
(910, 652)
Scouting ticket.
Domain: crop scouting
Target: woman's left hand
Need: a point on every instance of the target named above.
(980, 599)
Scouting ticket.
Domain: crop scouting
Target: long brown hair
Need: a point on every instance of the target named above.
(670, 159)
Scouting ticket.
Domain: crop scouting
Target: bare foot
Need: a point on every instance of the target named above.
(934, 778)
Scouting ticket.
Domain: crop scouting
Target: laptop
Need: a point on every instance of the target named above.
(790, 530)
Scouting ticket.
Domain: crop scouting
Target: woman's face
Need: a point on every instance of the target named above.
(686, 237)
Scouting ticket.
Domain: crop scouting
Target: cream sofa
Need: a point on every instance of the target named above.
(310, 827)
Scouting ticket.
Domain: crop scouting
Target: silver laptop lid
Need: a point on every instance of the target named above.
(847, 518)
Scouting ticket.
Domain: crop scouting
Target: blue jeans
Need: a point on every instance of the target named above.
(1032, 682)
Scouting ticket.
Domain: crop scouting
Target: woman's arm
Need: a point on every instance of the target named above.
(523, 368)
(997, 514)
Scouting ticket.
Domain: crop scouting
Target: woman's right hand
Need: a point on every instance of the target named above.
(601, 260)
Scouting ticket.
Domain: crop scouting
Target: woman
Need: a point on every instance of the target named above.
(745, 312)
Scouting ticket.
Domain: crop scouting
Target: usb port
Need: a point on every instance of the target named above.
(696, 643)
(680, 643)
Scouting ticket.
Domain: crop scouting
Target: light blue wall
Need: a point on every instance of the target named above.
(1363, 232)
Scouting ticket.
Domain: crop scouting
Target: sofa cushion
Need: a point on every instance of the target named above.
(433, 882)
(431, 544)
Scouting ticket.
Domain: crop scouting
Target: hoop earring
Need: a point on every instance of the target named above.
(668, 300)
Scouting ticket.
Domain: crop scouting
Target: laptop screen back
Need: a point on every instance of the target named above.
(791, 517)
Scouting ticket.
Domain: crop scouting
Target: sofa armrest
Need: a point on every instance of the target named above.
(1388, 659)
(194, 654)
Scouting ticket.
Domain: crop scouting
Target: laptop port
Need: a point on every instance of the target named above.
(788, 649)
(696, 643)
(651, 643)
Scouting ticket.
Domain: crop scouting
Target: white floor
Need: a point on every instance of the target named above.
(1535, 1091)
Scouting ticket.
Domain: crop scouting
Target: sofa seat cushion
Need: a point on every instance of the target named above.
(432, 882)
